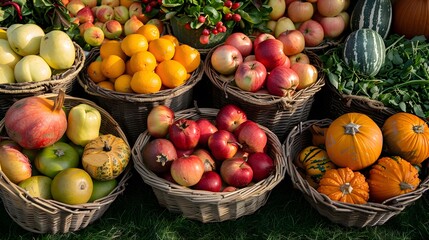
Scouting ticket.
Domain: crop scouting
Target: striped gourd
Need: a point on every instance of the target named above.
(373, 14)
(365, 51)
(315, 161)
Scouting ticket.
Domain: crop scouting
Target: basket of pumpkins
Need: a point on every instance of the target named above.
(129, 77)
(209, 165)
(356, 173)
(61, 174)
(34, 62)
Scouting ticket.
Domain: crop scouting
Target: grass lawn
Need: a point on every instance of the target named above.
(137, 215)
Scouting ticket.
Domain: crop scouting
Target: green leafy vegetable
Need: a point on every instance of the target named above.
(402, 83)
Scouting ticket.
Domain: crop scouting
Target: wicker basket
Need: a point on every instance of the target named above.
(339, 104)
(65, 80)
(208, 206)
(279, 114)
(350, 215)
(131, 110)
(49, 216)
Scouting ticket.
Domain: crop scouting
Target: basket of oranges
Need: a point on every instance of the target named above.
(131, 76)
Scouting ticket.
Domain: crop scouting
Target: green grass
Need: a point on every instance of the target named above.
(137, 215)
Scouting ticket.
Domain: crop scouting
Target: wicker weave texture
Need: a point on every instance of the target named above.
(346, 214)
(49, 216)
(130, 110)
(65, 80)
(279, 114)
(208, 206)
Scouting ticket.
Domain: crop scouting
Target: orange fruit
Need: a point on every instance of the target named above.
(171, 38)
(126, 3)
(112, 66)
(188, 56)
(143, 60)
(163, 49)
(123, 84)
(94, 72)
(134, 43)
(146, 82)
(172, 73)
(107, 85)
(150, 31)
(112, 47)
(128, 68)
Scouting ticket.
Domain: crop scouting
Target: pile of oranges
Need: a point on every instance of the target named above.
(143, 62)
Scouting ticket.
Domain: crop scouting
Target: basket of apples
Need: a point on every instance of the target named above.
(208, 164)
(273, 79)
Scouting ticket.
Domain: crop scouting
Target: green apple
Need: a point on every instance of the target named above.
(84, 122)
(38, 186)
(53, 159)
(8, 56)
(57, 49)
(25, 39)
(6, 74)
(32, 68)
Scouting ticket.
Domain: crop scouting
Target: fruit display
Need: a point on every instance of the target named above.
(227, 152)
(335, 169)
(50, 164)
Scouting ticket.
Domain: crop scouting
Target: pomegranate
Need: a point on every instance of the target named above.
(35, 122)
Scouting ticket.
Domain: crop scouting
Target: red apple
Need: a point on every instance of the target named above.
(293, 42)
(299, 57)
(104, 13)
(210, 181)
(206, 158)
(251, 137)
(330, 8)
(229, 189)
(262, 37)
(262, 165)
(167, 176)
(229, 117)
(287, 62)
(282, 81)
(346, 17)
(207, 128)
(283, 24)
(184, 133)
(159, 120)
(74, 6)
(250, 76)
(313, 33)
(225, 59)
(307, 74)
(240, 41)
(85, 15)
(187, 170)
(333, 26)
(270, 53)
(236, 172)
(184, 152)
(223, 145)
(300, 11)
(158, 154)
(250, 57)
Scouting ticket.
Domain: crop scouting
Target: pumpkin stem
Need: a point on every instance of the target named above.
(346, 188)
(107, 147)
(351, 128)
(406, 186)
(59, 101)
(418, 129)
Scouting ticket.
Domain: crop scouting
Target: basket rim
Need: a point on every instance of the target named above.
(394, 204)
(201, 196)
(260, 99)
(53, 206)
(55, 80)
(93, 89)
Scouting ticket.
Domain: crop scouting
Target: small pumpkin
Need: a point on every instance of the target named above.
(315, 161)
(344, 185)
(407, 135)
(318, 135)
(106, 157)
(391, 177)
(354, 140)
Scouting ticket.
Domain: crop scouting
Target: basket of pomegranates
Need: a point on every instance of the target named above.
(355, 173)
(63, 173)
(44, 65)
(273, 81)
(215, 165)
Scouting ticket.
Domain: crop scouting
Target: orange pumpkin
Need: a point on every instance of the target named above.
(407, 135)
(391, 177)
(354, 140)
(344, 185)
(318, 135)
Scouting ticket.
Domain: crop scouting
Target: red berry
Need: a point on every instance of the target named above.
(228, 4)
(145, 1)
(219, 24)
(215, 31)
(201, 19)
(188, 26)
(228, 16)
(204, 39)
(206, 32)
(153, 3)
(148, 8)
(235, 5)
(236, 17)
(222, 29)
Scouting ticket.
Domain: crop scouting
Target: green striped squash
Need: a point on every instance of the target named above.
(373, 14)
(365, 51)
(315, 161)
